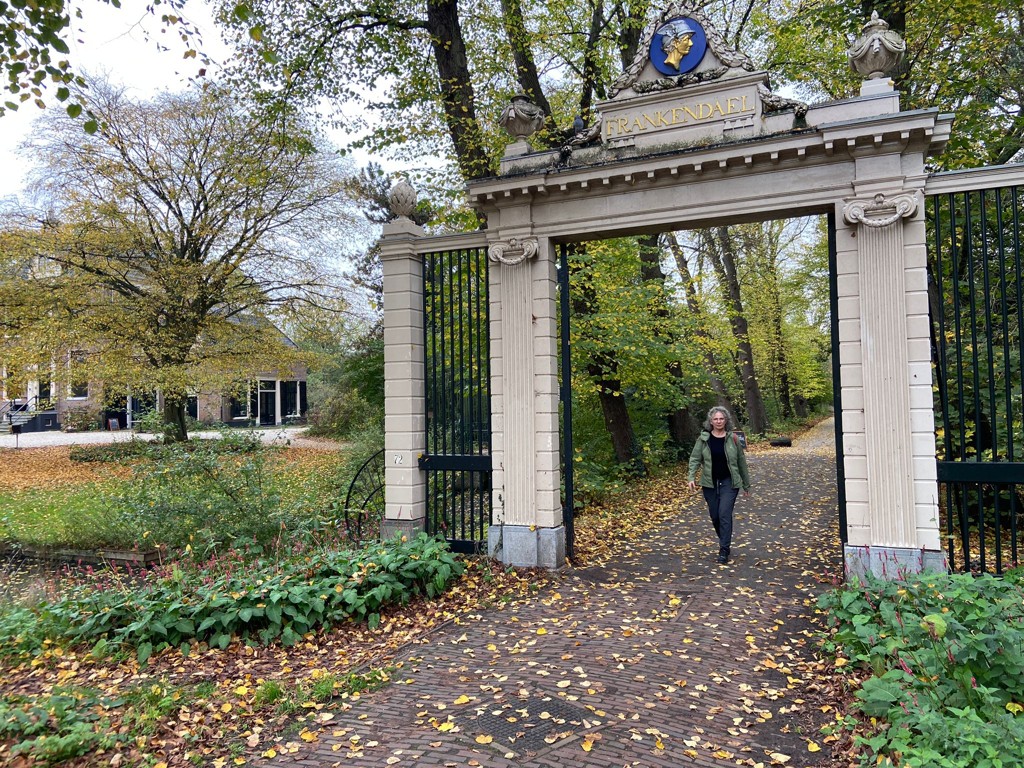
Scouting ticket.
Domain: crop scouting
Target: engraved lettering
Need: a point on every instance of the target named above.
(717, 109)
(704, 110)
(691, 113)
(743, 98)
(661, 119)
(639, 124)
(623, 125)
(731, 105)
(651, 120)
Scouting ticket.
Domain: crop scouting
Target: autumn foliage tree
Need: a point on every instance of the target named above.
(171, 236)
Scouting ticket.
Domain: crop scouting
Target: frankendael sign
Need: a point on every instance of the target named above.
(687, 87)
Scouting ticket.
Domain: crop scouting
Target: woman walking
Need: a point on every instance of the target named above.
(718, 454)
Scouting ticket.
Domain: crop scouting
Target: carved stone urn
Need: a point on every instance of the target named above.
(878, 51)
(521, 118)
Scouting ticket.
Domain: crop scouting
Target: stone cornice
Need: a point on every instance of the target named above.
(975, 178)
(926, 129)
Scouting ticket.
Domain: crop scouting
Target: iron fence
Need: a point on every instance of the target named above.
(977, 324)
(458, 418)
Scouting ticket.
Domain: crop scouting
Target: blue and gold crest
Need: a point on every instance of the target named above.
(678, 46)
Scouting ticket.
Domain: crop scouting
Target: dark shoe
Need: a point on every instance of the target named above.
(723, 559)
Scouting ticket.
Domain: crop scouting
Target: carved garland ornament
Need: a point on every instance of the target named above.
(514, 251)
(882, 211)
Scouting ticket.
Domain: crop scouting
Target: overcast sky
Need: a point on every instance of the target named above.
(114, 43)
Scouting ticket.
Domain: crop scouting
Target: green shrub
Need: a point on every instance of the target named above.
(81, 419)
(342, 414)
(57, 726)
(208, 494)
(123, 451)
(945, 655)
(265, 599)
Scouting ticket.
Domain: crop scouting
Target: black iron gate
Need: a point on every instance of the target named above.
(976, 305)
(458, 401)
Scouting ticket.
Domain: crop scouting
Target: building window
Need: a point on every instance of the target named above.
(290, 399)
(78, 381)
(239, 408)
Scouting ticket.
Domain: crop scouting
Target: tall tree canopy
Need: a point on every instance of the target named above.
(966, 58)
(35, 55)
(172, 235)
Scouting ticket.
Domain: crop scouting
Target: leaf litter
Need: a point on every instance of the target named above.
(660, 653)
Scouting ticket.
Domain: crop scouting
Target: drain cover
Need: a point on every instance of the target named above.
(526, 725)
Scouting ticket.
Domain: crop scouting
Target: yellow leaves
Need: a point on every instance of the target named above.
(463, 699)
(307, 736)
(841, 662)
(270, 753)
(779, 759)
(1014, 707)
(226, 706)
(589, 740)
(813, 746)
(484, 739)
(541, 631)
(563, 683)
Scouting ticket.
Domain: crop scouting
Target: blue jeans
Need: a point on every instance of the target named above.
(721, 499)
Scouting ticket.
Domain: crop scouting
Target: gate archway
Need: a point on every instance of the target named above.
(708, 147)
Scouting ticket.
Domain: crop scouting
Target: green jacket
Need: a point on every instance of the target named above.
(700, 458)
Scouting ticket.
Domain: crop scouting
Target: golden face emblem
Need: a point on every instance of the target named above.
(676, 48)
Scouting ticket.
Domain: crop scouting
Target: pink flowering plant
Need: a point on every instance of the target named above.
(939, 660)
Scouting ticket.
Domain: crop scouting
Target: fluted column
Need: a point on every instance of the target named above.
(526, 528)
(891, 501)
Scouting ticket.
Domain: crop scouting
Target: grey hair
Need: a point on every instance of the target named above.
(729, 426)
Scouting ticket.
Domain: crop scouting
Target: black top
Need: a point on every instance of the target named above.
(719, 464)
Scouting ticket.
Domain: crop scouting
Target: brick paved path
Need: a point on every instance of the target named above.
(660, 658)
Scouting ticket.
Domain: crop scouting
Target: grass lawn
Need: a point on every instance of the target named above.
(49, 500)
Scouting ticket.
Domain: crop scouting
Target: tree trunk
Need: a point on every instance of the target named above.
(602, 371)
(616, 413)
(592, 81)
(723, 258)
(785, 397)
(526, 68)
(173, 412)
(704, 338)
(683, 427)
(457, 88)
(633, 20)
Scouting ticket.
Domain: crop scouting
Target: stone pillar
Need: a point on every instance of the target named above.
(889, 447)
(404, 385)
(526, 527)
